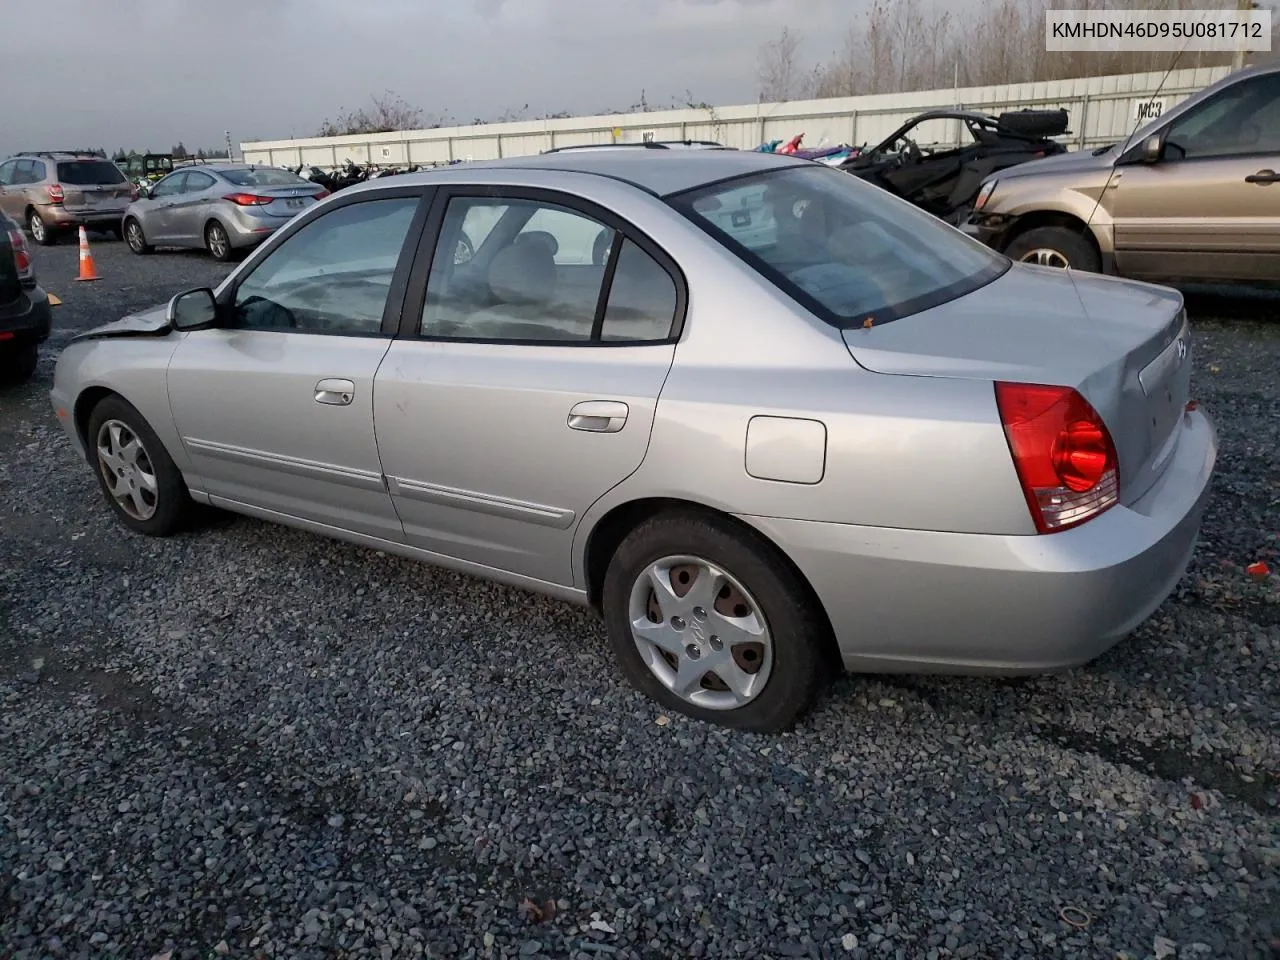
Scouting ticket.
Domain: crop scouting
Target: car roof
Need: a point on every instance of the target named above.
(660, 172)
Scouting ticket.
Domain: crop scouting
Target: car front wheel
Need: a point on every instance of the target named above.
(709, 621)
(1055, 247)
(138, 478)
(136, 239)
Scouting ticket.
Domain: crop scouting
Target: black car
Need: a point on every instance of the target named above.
(945, 181)
(25, 312)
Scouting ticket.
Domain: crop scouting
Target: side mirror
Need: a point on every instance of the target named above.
(192, 309)
(1153, 148)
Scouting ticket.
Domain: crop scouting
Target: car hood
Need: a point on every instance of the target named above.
(1075, 160)
(151, 322)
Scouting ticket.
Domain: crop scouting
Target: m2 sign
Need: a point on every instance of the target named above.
(1145, 110)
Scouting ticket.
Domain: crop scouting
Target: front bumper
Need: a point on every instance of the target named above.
(991, 231)
(28, 321)
(923, 602)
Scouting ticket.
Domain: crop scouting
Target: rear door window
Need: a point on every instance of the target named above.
(89, 173)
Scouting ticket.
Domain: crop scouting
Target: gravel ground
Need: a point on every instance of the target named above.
(250, 742)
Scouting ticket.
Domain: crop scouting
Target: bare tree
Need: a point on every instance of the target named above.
(779, 75)
(385, 114)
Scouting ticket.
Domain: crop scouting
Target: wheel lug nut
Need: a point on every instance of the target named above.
(692, 651)
(678, 623)
(716, 643)
(699, 613)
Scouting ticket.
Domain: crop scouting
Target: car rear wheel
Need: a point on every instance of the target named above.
(41, 232)
(137, 476)
(19, 365)
(1055, 247)
(136, 239)
(710, 622)
(217, 242)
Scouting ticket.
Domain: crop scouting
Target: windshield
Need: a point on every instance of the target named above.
(263, 177)
(87, 173)
(845, 249)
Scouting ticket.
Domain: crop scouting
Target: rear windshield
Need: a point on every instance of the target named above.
(87, 173)
(263, 177)
(847, 250)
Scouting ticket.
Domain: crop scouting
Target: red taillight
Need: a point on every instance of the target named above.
(1063, 453)
(248, 199)
(133, 192)
(321, 195)
(21, 255)
(55, 193)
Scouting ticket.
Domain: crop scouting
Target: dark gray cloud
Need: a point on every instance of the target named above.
(152, 72)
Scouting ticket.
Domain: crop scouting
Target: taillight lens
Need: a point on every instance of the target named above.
(21, 255)
(248, 199)
(1063, 453)
(321, 195)
(133, 192)
(55, 193)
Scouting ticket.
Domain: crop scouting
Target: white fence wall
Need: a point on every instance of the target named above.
(1102, 110)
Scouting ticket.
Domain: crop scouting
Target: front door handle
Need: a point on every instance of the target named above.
(598, 416)
(336, 392)
(1263, 176)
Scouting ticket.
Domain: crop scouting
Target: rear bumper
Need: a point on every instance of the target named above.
(28, 321)
(923, 602)
(59, 216)
(246, 229)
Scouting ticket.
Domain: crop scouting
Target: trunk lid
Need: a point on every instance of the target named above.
(1125, 346)
(287, 201)
(89, 185)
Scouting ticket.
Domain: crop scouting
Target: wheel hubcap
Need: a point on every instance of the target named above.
(135, 236)
(700, 633)
(1046, 257)
(37, 227)
(127, 470)
(217, 241)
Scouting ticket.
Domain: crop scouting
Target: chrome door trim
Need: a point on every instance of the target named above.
(332, 473)
(559, 518)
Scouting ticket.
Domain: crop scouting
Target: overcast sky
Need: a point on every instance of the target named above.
(144, 73)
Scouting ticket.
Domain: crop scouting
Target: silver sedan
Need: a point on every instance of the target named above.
(224, 208)
(788, 422)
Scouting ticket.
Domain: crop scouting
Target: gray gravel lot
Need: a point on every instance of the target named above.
(249, 741)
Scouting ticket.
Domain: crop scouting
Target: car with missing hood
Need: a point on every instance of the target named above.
(1193, 196)
(830, 430)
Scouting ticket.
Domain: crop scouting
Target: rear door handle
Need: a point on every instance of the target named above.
(598, 416)
(1263, 176)
(339, 393)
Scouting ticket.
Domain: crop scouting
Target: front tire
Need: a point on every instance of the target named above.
(18, 366)
(709, 621)
(136, 239)
(139, 479)
(217, 242)
(1055, 247)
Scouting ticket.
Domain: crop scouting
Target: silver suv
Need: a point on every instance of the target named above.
(51, 193)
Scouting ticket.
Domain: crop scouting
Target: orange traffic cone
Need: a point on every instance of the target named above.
(88, 269)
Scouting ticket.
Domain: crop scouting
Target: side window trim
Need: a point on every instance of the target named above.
(392, 311)
(415, 299)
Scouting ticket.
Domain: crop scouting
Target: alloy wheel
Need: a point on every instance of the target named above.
(1046, 257)
(700, 633)
(127, 470)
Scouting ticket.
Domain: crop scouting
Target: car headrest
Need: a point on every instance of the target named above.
(523, 273)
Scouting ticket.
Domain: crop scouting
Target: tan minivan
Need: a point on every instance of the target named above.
(1194, 196)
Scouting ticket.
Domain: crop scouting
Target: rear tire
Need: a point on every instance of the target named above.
(771, 624)
(136, 239)
(217, 242)
(149, 497)
(40, 231)
(19, 365)
(1055, 247)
